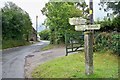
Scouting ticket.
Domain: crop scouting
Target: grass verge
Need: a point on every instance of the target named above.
(14, 43)
(51, 46)
(73, 66)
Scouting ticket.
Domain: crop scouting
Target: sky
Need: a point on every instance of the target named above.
(33, 8)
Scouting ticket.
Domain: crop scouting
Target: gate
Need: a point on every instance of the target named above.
(74, 41)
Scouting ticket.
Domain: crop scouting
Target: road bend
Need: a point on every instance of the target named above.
(13, 60)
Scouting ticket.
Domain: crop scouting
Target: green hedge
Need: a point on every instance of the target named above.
(107, 41)
(45, 35)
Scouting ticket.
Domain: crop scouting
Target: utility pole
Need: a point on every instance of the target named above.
(36, 27)
(88, 39)
(36, 23)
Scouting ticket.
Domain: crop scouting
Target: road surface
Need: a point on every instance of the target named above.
(13, 60)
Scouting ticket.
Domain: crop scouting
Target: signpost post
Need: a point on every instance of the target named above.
(88, 38)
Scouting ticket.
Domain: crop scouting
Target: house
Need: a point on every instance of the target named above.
(33, 35)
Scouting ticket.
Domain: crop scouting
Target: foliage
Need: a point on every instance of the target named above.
(115, 43)
(58, 14)
(74, 39)
(106, 25)
(114, 23)
(73, 66)
(16, 26)
(45, 34)
(109, 25)
(115, 6)
(107, 41)
(84, 7)
(16, 22)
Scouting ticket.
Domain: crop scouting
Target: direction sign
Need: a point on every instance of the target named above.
(77, 21)
(87, 27)
(93, 27)
(80, 27)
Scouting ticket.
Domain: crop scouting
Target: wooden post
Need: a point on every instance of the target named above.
(88, 43)
(88, 39)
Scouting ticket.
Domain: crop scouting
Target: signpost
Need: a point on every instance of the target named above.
(88, 37)
(77, 21)
(88, 40)
(87, 27)
(93, 27)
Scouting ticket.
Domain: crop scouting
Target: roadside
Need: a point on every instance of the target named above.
(33, 60)
(27, 44)
(6, 44)
(51, 46)
(73, 66)
(13, 60)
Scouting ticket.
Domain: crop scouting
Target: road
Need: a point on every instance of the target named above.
(13, 60)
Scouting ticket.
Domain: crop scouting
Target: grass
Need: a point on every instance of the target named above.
(51, 46)
(14, 43)
(73, 66)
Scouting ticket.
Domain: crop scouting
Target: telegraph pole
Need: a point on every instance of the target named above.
(36, 27)
(88, 39)
(36, 23)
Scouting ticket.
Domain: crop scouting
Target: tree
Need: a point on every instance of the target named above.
(84, 7)
(114, 22)
(16, 23)
(114, 6)
(58, 14)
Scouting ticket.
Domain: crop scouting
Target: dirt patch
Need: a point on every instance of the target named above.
(31, 62)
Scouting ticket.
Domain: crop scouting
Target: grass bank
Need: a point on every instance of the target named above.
(51, 46)
(73, 66)
(13, 43)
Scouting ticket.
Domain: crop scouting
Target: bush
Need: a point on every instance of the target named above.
(115, 43)
(45, 34)
(107, 41)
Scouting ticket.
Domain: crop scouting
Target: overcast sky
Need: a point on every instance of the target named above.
(33, 7)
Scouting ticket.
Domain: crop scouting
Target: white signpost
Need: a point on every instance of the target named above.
(88, 41)
(87, 27)
(77, 21)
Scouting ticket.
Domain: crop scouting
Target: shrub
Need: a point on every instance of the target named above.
(115, 43)
(107, 41)
(45, 34)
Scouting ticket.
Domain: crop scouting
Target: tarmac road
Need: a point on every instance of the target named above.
(13, 60)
